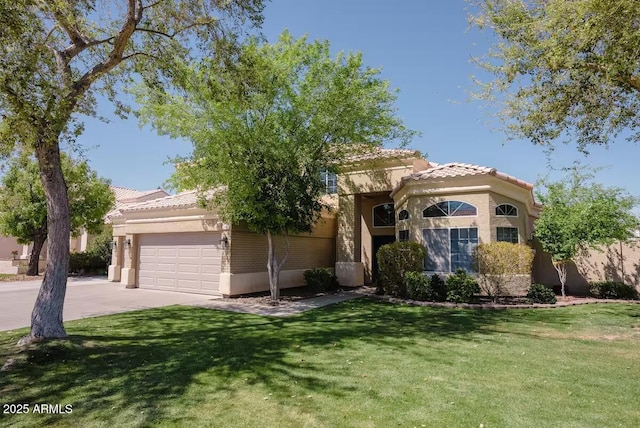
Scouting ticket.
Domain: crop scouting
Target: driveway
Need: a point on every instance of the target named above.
(86, 297)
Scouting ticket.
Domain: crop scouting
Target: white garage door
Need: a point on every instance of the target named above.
(188, 262)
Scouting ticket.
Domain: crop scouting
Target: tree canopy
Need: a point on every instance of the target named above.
(58, 56)
(579, 214)
(265, 123)
(23, 208)
(564, 70)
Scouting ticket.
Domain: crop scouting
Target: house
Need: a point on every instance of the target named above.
(10, 263)
(380, 196)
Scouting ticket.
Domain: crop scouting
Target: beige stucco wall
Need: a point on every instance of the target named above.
(368, 231)
(249, 250)
(416, 223)
(521, 221)
(7, 245)
(619, 262)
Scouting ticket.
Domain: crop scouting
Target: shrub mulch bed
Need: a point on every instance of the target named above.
(287, 295)
(507, 303)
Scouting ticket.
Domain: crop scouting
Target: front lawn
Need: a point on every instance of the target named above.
(360, 363)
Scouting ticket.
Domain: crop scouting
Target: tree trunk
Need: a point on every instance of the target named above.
(561, 268)
(273, 267)
(34, 258)
(46, 318)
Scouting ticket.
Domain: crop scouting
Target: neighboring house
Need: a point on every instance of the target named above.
(386, 195)
(8, 244)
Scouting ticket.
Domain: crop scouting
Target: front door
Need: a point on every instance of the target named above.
(377, 242)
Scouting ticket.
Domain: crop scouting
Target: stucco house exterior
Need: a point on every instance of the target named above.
(378, 197)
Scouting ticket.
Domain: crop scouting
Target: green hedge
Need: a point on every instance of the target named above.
(394, 260)
(321, 280)
(539, 293)
(461, 287)
(423, 288)
(613, 290)
(87, 263)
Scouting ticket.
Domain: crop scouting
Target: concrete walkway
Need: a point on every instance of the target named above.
(285, 308)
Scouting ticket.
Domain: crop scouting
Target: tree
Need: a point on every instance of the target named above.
(23, 209)
(564, 68)
(578, 214)
(266, 123)
(57, 57)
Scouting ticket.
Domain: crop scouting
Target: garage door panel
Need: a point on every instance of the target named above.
(189, 262)
(211, 252)
(188, 268)
(189, 252)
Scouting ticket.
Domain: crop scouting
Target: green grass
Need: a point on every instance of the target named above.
(356, 364)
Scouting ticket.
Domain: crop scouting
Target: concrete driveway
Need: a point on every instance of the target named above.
(86, 297)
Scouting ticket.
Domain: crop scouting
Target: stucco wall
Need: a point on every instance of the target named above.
(249, 251)
(416, 223)
(619, 262)
(7, 245)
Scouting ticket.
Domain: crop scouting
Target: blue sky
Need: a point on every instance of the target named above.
(425, 50)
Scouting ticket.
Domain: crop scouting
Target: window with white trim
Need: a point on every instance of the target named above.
(506, 210)
(450, 249)
(450, 209)
(384, 215)
(403, 215)
(507, 234)
(403, 235)
(330, 181)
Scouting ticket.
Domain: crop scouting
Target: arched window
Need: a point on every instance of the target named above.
(450, 209)
(507, 210)
(403, 215)
(384, 215)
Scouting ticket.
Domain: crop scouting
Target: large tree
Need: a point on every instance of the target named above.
(266, 123)
(579, 214)
(58, 57)
(564, 69)
(23, 209)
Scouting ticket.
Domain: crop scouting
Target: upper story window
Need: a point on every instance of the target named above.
(450, 209)
(507, 210)
(330, 181)
(384, 215)
(403, 215)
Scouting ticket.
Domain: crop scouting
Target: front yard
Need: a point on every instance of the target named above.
(360, 363)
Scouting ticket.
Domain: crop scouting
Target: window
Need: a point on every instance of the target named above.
(507, 210)
(330, 181)
(403, 235)
(384, 215)
(450, 209)
(450, 249)
(403, 215)
(507, 234)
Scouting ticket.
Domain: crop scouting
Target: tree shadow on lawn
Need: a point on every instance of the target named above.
(143, 361)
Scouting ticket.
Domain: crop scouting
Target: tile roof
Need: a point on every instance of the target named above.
(457, 169)
(364, 153)
(124, 193)
(180, 200)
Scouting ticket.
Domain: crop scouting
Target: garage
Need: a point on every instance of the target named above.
(186, 262)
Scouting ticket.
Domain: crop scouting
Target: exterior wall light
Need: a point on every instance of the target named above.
(224, 241)
(128, 242)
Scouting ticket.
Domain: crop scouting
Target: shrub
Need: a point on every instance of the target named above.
(86, 262)
(539, 293)
(394, 260)
(417, 286)
(496, 261)
(321, 280)
(613, 290)
(461, 287)
(100, 246)
(420, 287)
(438, 288)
